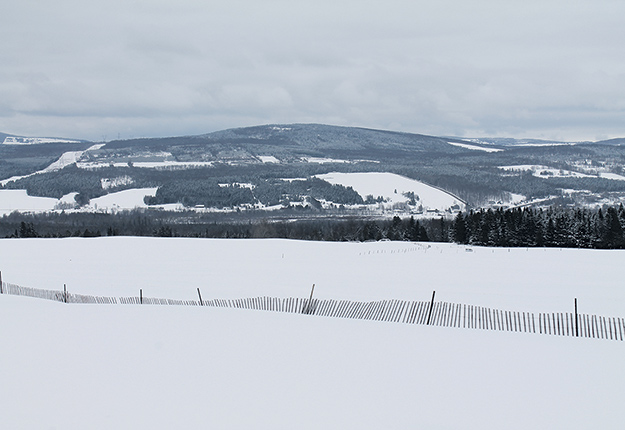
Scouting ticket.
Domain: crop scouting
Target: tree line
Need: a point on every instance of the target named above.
(553, 227)
(163, 224)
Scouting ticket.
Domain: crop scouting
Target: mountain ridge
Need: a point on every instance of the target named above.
(302, 136)
(266, 129)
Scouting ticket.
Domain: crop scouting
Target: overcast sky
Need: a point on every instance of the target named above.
(550, 69)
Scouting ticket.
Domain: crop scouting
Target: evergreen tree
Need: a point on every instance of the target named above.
(27, 230)
(613, 231)
(460, 229)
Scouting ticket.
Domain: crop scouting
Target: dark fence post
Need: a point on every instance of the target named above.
(576, 327)
(1, 290)
(308, 308)
(65, 293)
(141, 295)
(200, 296)
(431, 307)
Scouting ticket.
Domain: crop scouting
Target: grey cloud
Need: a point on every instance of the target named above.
(150, 68)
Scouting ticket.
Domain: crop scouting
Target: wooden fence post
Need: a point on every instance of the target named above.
(141, 295)
(576, 327)
(1, 290)
(65, 293)
(200, 296)
(431, 307)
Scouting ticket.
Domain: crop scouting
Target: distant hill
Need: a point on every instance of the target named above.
(295, 139)
(618, 141)
(4, 136)
(277, 167)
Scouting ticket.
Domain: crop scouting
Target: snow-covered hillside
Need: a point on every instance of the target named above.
(66, 159)
(121, 200)
(163, 367)
(394, 188)
(547, 172)
(398, 193)
(475, 147)
(15, 140)
(20, 201)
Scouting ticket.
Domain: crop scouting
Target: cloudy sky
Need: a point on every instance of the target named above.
(101, 69)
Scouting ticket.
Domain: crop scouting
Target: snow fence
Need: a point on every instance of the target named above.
(441, 314)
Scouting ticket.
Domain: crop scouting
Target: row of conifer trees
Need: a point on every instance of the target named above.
(554, 227)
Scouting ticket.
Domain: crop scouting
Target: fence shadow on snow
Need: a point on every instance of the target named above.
(442, 314)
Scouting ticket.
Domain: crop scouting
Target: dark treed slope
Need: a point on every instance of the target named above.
(300, 137)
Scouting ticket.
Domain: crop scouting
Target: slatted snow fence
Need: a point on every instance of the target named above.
(442, 314)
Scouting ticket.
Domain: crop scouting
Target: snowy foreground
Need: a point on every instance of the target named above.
(163, 367)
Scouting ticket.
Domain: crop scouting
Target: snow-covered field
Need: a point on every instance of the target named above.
(19, 200)
(120, 200)
(546, 172)
(321, 160)
(534, 279)
(147, 164)
(393, 187)
(613, 176)
(268, 159)
(162, 367)
(474, 147)
(14, 140)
